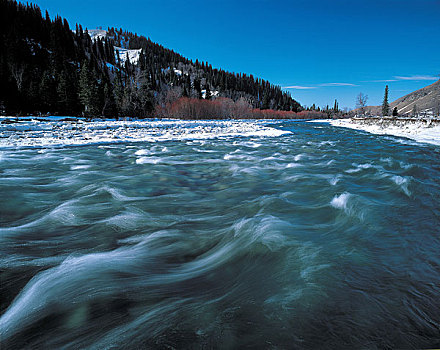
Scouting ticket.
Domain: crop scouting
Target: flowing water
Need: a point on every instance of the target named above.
(320, 238)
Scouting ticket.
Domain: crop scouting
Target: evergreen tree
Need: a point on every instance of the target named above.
(395, 112)
(84, 91)
(385, 104)
(88, 90)
(145, 96)
(127, 100)
(118, 93)
(48, 92)
(336, 107)
(198, 88)
(109, 104)
(266, 100)
(66, 93)
(208, 92)
(184, 92)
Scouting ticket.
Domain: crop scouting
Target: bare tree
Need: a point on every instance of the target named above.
(361, 102)
(242, 108)
(415, 111)
(172, 94)
(17, 72)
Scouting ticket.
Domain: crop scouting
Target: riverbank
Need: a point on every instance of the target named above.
(426, 130)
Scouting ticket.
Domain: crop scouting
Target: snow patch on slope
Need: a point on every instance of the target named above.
(132, 55)
(121, 52)
(213, 93)
(97, 34)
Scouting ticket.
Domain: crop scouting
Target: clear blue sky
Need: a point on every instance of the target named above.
(318, 50)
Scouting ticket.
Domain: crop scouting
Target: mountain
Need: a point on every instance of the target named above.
(46, 67)
(425, 101)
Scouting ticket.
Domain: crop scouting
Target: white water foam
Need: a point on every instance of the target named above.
(80, 167)
(335, 179)
(402, 182)
(293, 165)
(149, 160)
(142, 152)
(359, 167)
(340, 202)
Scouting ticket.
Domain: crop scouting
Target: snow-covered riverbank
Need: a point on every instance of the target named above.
(427, 131)
(53, 132)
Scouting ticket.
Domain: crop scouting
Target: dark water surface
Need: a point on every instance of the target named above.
(324, 238)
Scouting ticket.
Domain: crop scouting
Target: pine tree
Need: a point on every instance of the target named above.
(66, 93)
(395, 112)
(184, 92)
(84, 91)
(208, 92)
(385, 105)
(145, 96)
(127, 100)
(109, 104)
(265, 103)
(48, 92)
(118, 92)
(88, 90)
(198, 88)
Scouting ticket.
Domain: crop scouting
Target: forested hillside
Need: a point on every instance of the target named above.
(46, 67)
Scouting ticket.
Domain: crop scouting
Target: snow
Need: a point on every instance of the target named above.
(213, 93)
(419, 131)
(33, 133)
(133, 55)
(97, 34)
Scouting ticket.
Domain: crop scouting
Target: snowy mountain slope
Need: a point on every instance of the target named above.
(426, 100)
(97, 34)
(124, 54)
(121, 53)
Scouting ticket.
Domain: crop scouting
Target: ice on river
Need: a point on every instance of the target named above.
(56, 132)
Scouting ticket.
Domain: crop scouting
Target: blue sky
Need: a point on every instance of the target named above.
(318, 50)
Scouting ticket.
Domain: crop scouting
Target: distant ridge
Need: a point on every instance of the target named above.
(426, 100)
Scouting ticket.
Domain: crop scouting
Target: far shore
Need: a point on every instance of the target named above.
(424, 129)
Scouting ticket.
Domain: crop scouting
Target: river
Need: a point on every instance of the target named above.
(320, 237)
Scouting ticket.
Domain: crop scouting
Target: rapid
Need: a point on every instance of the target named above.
(317, 237)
